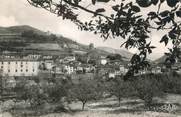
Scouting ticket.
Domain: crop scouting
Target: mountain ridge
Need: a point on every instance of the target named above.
(44, 41)
(122, 52)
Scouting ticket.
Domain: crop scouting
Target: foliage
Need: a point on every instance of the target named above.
(42, 91)
(57, 91)
(126, 21)
(171, 83)
(147, 88)
(91, 46)
(32, 36)
(121, 89)
(115, 57)
(85, 91)
(36, 96)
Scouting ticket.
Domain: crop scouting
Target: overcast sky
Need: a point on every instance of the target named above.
(19, 12)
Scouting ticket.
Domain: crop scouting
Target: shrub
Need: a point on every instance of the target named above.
(121, 89)
(85, 91)
(147, 87)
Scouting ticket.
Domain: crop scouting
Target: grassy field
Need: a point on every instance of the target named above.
(109, 108)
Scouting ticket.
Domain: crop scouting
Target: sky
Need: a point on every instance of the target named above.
(19, 12)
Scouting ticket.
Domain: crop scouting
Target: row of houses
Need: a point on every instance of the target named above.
(33, 64)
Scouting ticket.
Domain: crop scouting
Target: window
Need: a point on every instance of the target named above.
(2, 62)
(21, 70)
(33, 70)
(26, 70)
(1, 67)
(8, 62)
(8, 70)
(16, 70)
(21, 65)
(16, 62)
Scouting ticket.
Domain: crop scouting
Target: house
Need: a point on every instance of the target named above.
(69, 58)
(69, 69)
(103, 60)
(123, 69)
(112, 75)
(48, 64)
(13, 64)
(156, 70)
(19, 67)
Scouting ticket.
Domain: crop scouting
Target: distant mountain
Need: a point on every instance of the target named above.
(161, 59)
(20, 29)
(29, 39)
(122, 52)
(96, 53)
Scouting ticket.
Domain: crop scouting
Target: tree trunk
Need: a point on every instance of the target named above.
(119, 99)
(83, 105)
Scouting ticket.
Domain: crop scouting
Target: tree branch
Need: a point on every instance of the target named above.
(87, 10)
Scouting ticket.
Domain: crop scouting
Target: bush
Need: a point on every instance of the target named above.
(171, 83)
(121, 89)
(148, 87)
(85, 91)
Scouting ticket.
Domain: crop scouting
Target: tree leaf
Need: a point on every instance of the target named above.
(93, 2)
(100, 10)
(155, 2)
(164, 13)
(152, 14)
(135, 8)
(115, 8)
(164, 39)
(178, 13)
(172, 3)
(103, 0)
(152, 47)
(172, 35)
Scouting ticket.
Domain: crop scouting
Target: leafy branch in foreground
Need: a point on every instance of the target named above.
(126, 21)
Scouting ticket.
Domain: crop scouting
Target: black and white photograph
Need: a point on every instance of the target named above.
(90, 58)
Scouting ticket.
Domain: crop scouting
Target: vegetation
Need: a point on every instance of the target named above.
(85, 91)
(39, 91)
(115, 57)
(147, 88)
(121, 89)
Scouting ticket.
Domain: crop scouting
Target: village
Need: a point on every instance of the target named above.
(34, 64)
(90, 58)
(30, 65)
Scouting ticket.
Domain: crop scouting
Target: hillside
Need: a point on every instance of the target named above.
(161, 59)
(20, 29)
(122, 52)
(27, 39)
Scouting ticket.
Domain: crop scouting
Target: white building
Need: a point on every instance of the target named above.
(103, 60)
(69, 69)
(69, 58)
(156, 70)
(49, 64)
(19, 67)
(123, 69)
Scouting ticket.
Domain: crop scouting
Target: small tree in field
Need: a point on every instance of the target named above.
(121, 89)
(84, 91)
(30, 92)
(21, 90)
(36, 95)
(147, 88)
(56, 92)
